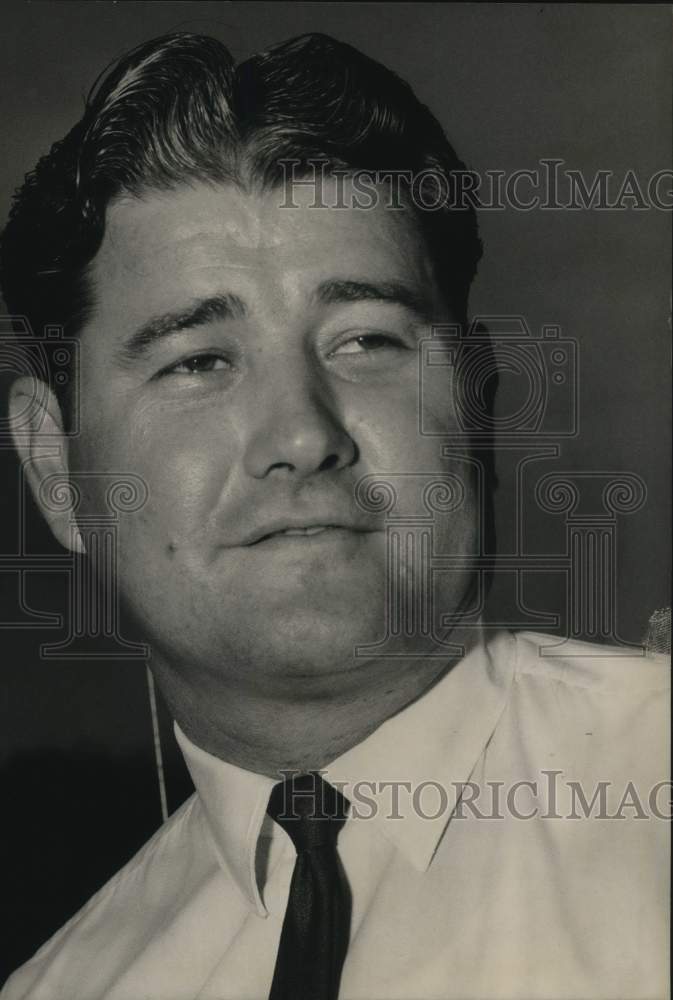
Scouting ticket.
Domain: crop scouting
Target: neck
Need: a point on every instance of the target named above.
(303, 728)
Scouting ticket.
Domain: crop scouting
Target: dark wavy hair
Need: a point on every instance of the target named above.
(176, 109)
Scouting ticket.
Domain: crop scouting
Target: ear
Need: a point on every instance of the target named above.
(36, 424)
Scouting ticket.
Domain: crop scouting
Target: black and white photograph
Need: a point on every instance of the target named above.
(335, 548)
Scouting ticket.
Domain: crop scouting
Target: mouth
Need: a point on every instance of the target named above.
(307, 532)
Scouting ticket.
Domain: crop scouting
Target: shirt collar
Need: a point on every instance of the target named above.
(437, 739)
(234, 802)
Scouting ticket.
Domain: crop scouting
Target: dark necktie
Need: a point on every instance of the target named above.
(314, 938)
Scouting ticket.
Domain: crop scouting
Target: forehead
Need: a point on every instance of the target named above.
(204, 232)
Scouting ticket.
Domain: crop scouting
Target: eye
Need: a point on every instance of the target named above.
(365, 343)
(198, 364)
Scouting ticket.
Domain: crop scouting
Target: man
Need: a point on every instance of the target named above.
(250, 350)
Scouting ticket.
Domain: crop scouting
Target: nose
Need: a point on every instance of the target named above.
(296, 426)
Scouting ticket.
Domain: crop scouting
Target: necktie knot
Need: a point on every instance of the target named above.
(310, 810)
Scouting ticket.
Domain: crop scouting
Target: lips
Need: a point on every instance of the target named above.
(294, 533)
(283, 529)
(304, 532)
(315, 530)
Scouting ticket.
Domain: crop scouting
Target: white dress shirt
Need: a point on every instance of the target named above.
(469, 903)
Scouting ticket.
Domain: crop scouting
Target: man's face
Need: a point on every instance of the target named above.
(251, 363)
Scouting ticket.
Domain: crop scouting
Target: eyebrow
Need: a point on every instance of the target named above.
(226, 306)
(395, 292)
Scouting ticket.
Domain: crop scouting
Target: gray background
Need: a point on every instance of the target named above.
(512, 84)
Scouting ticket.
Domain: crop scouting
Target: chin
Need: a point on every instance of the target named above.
(319, 642)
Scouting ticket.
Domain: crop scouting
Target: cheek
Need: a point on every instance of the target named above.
(378, 416)
(401, 438)
(184, 465)
(400, 429)
(436, 400)
(185, 481)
